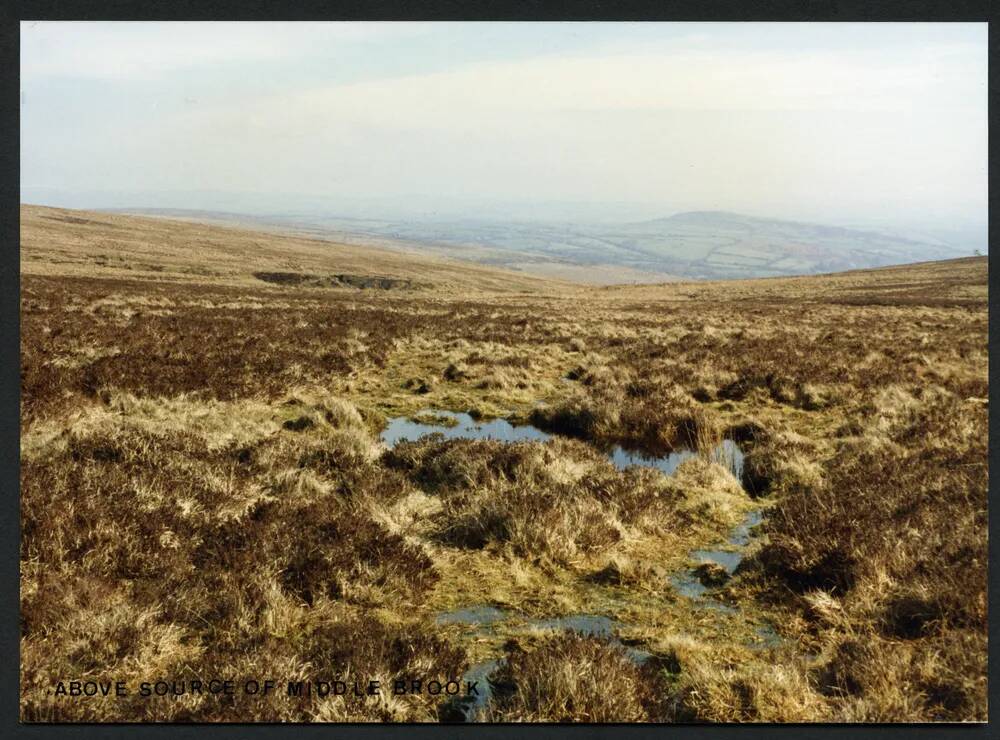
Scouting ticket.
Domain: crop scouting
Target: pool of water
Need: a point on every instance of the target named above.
(399, 428)
(740, 537)
(473, 616)
(767, 636)
(594, 625)
(727, 454)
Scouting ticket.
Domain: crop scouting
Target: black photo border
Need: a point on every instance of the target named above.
(12, 13)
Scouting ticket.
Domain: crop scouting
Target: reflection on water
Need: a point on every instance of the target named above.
(399, 428)
(728, 454)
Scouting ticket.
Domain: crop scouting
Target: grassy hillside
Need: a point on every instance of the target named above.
(204, 489)
(67, 242)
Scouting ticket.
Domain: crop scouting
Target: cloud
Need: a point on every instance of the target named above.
(523, 93)
(116, 50)
(692, 120)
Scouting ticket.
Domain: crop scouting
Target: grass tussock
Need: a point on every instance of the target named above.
(650, 413)
(573, 679)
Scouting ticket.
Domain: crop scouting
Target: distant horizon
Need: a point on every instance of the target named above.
(971, 236)
(705, 244)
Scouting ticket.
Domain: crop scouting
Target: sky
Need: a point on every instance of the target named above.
(842, 123)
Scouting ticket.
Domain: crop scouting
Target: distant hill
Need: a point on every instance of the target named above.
(691, 245)
(723, 244)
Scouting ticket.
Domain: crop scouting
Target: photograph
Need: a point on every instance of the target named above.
(424, 371)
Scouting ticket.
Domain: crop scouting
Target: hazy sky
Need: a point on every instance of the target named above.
(813, 121)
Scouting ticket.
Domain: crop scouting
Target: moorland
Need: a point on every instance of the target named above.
(206, 487)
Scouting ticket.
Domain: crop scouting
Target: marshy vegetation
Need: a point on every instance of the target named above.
(204, 487)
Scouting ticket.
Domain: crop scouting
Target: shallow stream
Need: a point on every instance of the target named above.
(483, 620)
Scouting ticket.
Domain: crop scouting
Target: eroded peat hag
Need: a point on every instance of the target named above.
(213, 473)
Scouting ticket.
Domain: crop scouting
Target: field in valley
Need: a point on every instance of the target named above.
(207, 489)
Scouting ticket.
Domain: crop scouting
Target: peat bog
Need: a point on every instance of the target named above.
(223, 470)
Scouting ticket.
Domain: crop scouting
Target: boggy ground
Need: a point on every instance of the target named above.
(204, 494)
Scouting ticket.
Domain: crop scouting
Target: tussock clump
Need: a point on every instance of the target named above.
(649, 413)
(813, 397)
(750, 693)
(912, 615)
(421, 386)
(363, 647)
(624, 571)
(710, 492)
(644, 499)
(315, 563)
(598, 376)
(747, 433)
(521, 494)
(711, 574)
(298, 424)
(741, 387)
(333, 423)
(572, 679)
(553, 523)
(705, 393)
(504, 379)
(890, 407)
(456, 371)
(781, 389)
(781, 463)
(577, 417)
(801, 570)
(440, 465)
(868, 679)
(850, 428)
